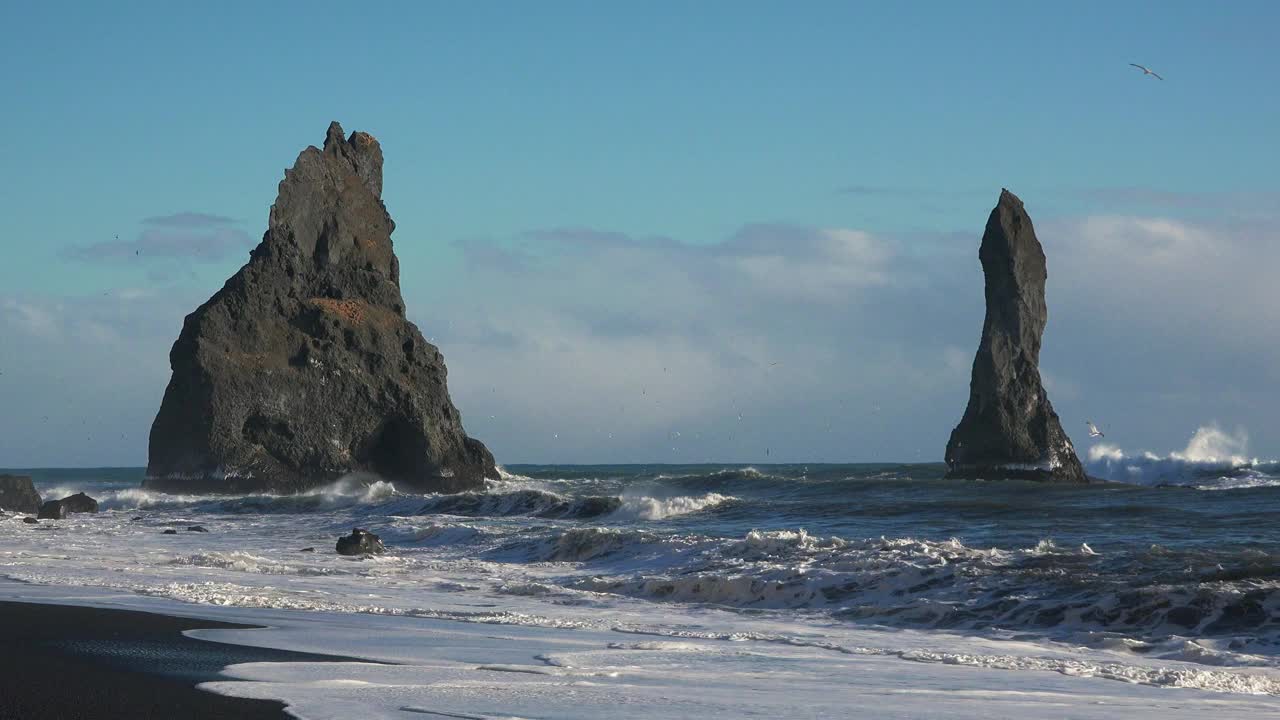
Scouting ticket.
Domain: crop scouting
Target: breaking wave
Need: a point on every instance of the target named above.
(578, 545)
(1212, 460)
(643, 507)
(1156, 599)
(343, 493)
(531, 502)
(246, 562)
(546, 504)
(1177, 574)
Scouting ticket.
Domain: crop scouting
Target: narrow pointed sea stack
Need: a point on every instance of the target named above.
(303, 368)
(1009, 430)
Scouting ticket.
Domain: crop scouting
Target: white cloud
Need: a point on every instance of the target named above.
(1153, 326)
(33, 319)
(813, 265)
(830, 343)
(1183, 279)
(599, 333)
(83, 376)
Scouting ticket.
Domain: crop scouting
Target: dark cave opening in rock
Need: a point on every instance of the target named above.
(398, 451)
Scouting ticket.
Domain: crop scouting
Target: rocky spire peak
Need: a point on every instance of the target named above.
(1009, 428)
(303, 368)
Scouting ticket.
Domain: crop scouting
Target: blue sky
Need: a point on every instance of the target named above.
(718, 139)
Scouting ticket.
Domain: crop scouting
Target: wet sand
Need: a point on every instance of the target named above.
(60, 662)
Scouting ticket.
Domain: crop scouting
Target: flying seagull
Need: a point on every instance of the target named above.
(1147, 71)
(1093, 429)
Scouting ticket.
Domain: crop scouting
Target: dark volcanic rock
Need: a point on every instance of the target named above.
(52, 510)
(170, 531)
(79, 503)
(197, 528)
(30, 520)
(1009, 429)
(18, 494)
(360, 542)
(59, 509)
(303, 368)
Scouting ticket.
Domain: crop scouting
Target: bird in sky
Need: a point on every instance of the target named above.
(1093, 429)
(1147, 71)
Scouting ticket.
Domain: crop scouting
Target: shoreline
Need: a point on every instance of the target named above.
(72, 662)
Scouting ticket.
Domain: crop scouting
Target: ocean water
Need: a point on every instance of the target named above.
(673, 589)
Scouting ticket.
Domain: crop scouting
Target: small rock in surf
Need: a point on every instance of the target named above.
(360, 542)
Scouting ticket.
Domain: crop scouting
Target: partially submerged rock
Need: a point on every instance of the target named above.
(80, 503)
(59, 509)
(1009, 429)
(303, 367)
(30, 521)
(52, 510)
(18, 494)
(360, 542)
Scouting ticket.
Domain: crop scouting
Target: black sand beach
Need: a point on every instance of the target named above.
(64, 662)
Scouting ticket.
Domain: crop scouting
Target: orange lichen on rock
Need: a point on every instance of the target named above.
(356, 312)
(351, 310)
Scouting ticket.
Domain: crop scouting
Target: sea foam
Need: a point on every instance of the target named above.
(1213, 459)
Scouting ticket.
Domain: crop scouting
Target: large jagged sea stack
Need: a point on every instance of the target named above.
(1009, 429)
(18, 494)
(303, 368)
